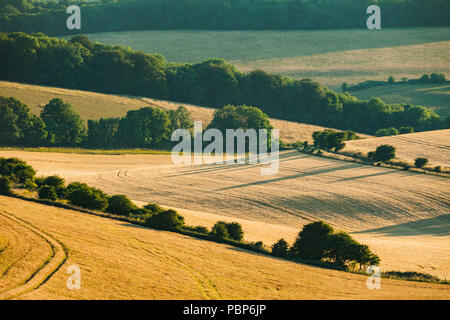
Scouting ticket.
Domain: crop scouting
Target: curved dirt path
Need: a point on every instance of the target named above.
(44, 271)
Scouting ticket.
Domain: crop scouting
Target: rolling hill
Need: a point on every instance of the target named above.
(433, 145)
(121, 261)
(91, 105)
(330, 57)
(401, 215)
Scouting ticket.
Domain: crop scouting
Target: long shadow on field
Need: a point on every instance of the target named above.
(295, 155)
(366, 176)
(438, 226)
(295, 176)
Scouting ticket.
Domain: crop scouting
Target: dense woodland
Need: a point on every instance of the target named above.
(82, 64)
(118, 15)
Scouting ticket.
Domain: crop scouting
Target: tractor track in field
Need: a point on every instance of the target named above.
(46, 270)
(206, 286)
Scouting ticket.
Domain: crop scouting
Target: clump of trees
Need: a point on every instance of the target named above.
(60, 125)
(383, 153)
(317, 241)
(393, 131)
(331, 139)
(432, 78)
(213, 83)
(223, 230)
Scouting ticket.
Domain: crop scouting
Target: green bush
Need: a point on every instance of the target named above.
(235, 231)
(16, 170)
(420, 162)
(280, 248)
(120, 204)
(311, 242)
(82, 195)
(166, 220)
(53, 181)
(5, 186)
(47, 192)
(220, 230)
(386, 132)
(438, 169)
(384, 153)
(153, 208)
(201, 229)
(405, 130)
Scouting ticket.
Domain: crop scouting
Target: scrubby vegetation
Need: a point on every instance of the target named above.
(318, 242)
(213, 83)
(383, 153)
(420, 162)
(330, 139)
(27, 15)
(433, 78)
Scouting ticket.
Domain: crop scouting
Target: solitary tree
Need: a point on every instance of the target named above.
(420, 162)
(384, 153)
(65, 127)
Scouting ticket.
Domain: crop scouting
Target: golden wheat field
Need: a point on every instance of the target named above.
(433, 145)
(403, 216)
(91, 105)
(118, 260)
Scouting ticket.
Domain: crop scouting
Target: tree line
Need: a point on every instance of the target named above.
(59, 125)
(81, 64)
(112, 15)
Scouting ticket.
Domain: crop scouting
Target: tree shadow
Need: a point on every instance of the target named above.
(438, 226)
(296, 176)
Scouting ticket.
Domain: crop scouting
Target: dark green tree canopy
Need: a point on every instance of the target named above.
(65, 127)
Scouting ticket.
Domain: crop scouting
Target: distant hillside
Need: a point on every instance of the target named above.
(433, 96)
(91, 105)
(433, 145)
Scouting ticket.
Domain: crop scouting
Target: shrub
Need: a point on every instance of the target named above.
(201, 229)
(438, 169)
(405, 130)
(420, 162)
(121, 205)
(166, 220)
(39, 181)
(257, 246)
(280, 248)
(311, 241)
(53, 181)
(82, 195)
(5, 186)
(384, 153)
(153, 208)
(30, 185)
(47, 192)
(220, 230)
(235, 231)
(386, 132)
(16, 170)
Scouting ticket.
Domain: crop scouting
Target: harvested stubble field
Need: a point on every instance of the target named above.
(433, 145)
(403, 216)
(123, 261)
(330, 57)
(91, 105)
